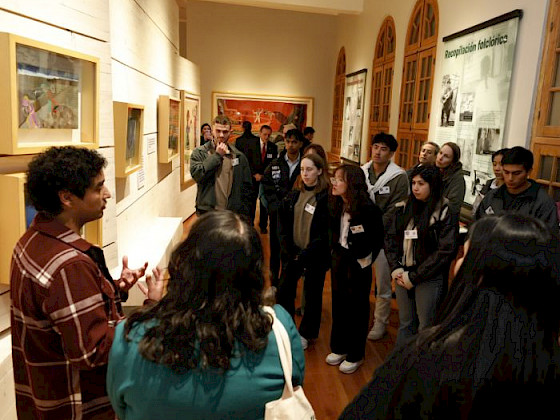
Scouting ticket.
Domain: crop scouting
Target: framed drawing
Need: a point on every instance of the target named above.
(50, 96)
(16, 214)
(169, 128)
(128, 126)
(353, 115)
(259, 110)
(190, 134)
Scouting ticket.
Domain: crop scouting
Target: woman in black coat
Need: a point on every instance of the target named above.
(357, 237)
(420, 245)
(304, 242)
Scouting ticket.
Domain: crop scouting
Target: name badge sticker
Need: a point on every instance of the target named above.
(385, 190)
(269, 155)
(357, 229)
(411, 234)
(489, 210)
(235, 162)
(309, 208)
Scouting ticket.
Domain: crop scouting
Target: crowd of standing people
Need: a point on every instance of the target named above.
(207, 348)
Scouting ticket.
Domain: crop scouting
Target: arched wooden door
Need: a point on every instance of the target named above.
(338, 105)
(417, 81)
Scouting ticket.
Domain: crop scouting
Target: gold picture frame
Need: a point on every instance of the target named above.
(50, 96)
(16, 216)
(169, 128)
(129, 136)
(190, 134)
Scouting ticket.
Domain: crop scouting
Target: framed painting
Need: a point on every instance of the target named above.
(259, 110)
(128, 126)
(190, 134)
(169, 128)
(16, 214)
(50, 94)
(353, 115)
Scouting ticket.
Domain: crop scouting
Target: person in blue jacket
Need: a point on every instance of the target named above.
(206, 350)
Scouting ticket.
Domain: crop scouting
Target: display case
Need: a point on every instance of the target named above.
(16, 214)
(169, 128)
(50, 96)
(129, 127)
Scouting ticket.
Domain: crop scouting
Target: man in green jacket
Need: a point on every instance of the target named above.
(222, 173)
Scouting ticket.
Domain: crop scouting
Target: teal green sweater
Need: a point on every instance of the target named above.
(140, 389)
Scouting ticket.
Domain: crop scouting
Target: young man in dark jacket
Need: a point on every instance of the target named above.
(222, 173)
(278, 180)
(519, 194)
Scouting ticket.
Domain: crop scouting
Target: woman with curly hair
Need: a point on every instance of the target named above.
(357, 237)
(206, 350)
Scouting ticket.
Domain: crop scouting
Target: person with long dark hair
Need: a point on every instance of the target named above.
(494, 350)
(304, 238)
(421, 244)
(206, 350)
(449, 163)
(357, 237)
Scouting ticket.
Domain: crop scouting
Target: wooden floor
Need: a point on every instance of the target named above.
(329, 390)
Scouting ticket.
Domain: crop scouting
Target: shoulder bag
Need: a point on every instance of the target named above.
(293, 404)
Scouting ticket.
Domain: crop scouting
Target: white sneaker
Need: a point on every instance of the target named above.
(350, 367)
(304, 342)
(377, 332)
(335, 359)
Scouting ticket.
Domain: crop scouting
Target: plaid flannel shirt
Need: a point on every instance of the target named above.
(64, 312)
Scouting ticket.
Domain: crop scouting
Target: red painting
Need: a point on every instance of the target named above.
(276, 114)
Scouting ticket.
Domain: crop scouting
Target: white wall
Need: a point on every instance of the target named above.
(264, 51)
(145, 64)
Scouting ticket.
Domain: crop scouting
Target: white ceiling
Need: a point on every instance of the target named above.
(329, 7)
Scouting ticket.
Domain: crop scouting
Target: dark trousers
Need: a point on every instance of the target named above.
(313, 288)
(350, 285)
(263, 217)
(274, 248)
(253, 203)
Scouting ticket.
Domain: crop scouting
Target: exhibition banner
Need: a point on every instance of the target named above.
(353, 116)
(475, 84)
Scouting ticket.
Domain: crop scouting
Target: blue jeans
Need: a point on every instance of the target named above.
(382, 276)
(417, 307)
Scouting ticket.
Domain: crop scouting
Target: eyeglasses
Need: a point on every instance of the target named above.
(337, 181)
